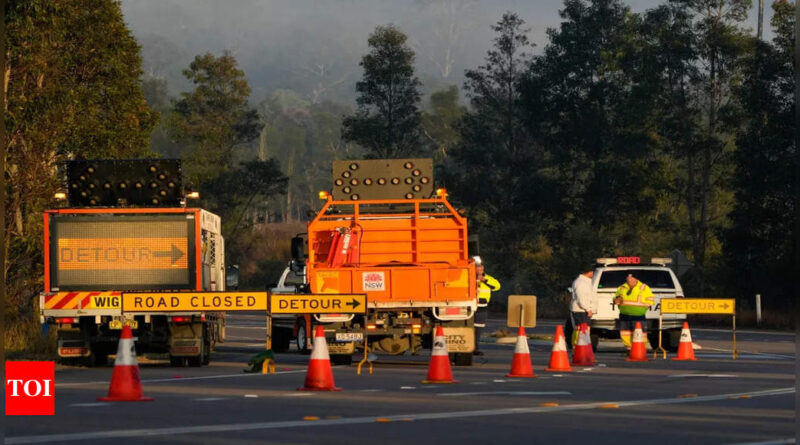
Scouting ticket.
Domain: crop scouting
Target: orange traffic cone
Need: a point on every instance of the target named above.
(320, 375)
(685, 349)
(439, 368)
(583, 354)
(559, 360)
(125, 384)
(521, 364)
(639, 346)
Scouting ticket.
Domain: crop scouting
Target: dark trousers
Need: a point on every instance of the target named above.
(480, 322)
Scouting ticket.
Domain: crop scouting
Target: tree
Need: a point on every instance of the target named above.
(387, 121)
(214, 119)
(440, 125)
(73, 90)
(757, 241)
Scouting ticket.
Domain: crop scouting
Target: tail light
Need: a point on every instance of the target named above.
(65, 320)
(371, 326)
(181, 319)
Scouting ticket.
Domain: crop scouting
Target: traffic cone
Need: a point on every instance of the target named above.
(125, 384)
(583, 355)
(639, 346)
(320, 375)
(521, 364)
(439, 368)
(559, 360)
(685, 349)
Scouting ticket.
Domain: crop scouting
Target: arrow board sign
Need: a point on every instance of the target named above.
(698, 306)
(318, 303)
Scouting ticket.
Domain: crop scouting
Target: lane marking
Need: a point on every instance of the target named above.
(299, 394)
(150, 432)
(702, 375)
(408, 387)
(746, 353)
(251, 396)
(787, 440)
(210, 399)
(183, 379)
(89, 404)
(510, 393)
(370, 390)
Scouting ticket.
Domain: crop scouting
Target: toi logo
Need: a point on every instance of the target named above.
(30, 388)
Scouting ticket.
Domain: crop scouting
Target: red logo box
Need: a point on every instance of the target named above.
(30, 388)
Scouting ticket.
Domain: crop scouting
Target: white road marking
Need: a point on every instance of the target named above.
(371, 390)
(299, 394)
(89, 404)
(408, 387)
(744, 355)
(703, 375)
(509, 393)
(183, 379)
(728, 331)
(210, 399)
(238, 427)
(251, 396)
(498, 381)
(788, 440)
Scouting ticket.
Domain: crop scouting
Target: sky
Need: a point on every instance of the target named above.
(313, 47)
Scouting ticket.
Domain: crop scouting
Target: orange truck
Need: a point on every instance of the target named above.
(103, 245)
(383, 231)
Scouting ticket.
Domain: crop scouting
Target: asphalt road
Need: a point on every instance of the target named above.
(715, 400)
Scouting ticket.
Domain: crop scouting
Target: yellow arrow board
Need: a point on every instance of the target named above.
(193, 301)
(318, 303)
(698, 306)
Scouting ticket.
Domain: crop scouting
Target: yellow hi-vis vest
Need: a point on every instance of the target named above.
(486, 287)
(634, 301)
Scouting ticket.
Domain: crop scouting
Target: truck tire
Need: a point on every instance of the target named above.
(462, 359)
(302, 337)
(281, 339)
(176, 362)
(207, 347)
(568, 333)
(340, 359)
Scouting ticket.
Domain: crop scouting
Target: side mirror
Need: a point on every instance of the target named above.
(232, 277)
(298, 249)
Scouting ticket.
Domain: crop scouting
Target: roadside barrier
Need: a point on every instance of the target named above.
(320, 375)
(639, 347)
(521, 364)
(125, 386)
(439, 367)
(559, 360)
(583, 355)
(685, 348)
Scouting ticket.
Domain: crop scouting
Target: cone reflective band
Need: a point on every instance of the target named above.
(320, 375)
(685, 348)
(559, 361)
(439, 367)
(521, 363)
(583, 354)
(125, 386)
(639, 347)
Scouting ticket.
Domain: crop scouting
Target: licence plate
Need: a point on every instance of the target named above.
(349, 336)
(118, 324)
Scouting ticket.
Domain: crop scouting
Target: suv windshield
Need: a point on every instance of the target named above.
(613, 279)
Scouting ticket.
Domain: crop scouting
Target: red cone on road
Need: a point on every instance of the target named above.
(320, 375)
(439, 367)
(685, 349)
(521, 364)
(583, 354)
(125, 384)
(639, 346)
(559, 360)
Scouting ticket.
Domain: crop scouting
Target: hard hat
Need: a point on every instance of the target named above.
(478, 261)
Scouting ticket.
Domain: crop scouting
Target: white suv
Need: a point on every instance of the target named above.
(609, 274)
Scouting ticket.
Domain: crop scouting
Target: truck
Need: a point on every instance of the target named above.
(609, 274)
(126, 228)
(385, 232)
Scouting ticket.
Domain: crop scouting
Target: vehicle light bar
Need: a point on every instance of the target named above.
(606, 261)
(663, 261)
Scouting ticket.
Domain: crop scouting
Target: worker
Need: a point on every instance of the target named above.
(486, 284)
(633, 299)
(584, 301)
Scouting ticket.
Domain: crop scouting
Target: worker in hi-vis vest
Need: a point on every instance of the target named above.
(486, 284)
(633, 299)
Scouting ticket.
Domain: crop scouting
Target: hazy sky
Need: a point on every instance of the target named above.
(313, 47)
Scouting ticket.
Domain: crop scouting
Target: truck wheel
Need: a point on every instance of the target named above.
(176, 362)
(281, 340)
(462, 359)
(302, 337)
(339, 359)
(207, 349)
(568, 333)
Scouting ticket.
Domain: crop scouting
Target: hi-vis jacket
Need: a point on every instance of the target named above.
(634, 301)
(485, 289)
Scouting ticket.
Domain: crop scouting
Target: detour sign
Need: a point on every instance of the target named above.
(698, 306)
(193, 301)
(318, 303)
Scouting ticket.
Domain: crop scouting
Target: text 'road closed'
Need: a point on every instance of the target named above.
(190, 301)
(318, 304)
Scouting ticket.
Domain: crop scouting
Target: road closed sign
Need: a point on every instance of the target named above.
(698, 306)
(318, 303)
(193, 301)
